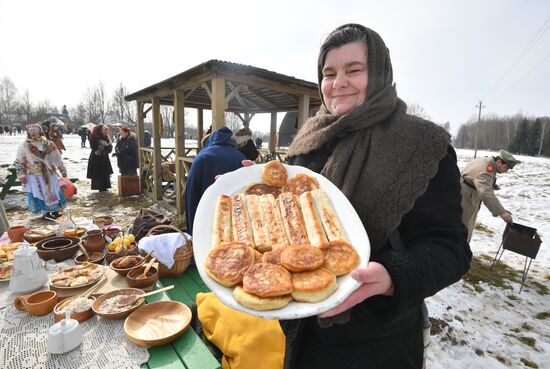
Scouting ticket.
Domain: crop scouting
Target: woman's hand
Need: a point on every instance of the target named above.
(247, 163)
(23, 180)
(375, 280)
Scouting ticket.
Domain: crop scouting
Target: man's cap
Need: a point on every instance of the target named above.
(508, 158)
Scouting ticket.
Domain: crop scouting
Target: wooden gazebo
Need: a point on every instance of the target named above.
(219, 86)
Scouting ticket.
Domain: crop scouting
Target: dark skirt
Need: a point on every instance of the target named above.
(101, 183)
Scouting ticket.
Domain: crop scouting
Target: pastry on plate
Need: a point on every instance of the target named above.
(227, 263)
(273, 221)
(300, 183)
(293, 220)
(273, 256)
(254, 302)
(313, 286)
(300, 258)
(267, 280)
(262, 189)
(274, 174)
(340, 257)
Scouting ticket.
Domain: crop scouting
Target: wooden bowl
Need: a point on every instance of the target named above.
(80, 316)
(31, 237)
(58, 254)
(157, 323)
(124, 271)
(152, 277)
(95, 257)
(108, 295)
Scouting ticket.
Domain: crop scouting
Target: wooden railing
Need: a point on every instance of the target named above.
(280, 154)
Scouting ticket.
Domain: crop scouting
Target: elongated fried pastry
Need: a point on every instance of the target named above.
(258, 224)
(292, 219)
(227, 263)
(267, 280)
(274, 222)
(242, 231)
(331, 224)
(314, 227)
(221, 229)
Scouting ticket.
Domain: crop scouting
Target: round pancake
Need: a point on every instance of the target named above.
(300, 183)
(262, 189)
(260, 303)
(300, 258)
(340, 257)
(227, 263)
(273, 256)
(257, 257)
(274, 174)
(267, 280)
(313, 286)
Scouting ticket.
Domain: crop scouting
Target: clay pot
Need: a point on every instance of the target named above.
(39, 303)
(94, 241)
(16, 233)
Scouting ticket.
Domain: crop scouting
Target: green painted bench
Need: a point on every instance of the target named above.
(188, 351)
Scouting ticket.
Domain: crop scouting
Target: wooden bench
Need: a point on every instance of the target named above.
(188, 351)
(12, 181)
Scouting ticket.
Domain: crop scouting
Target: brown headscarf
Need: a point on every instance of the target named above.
(382, 158)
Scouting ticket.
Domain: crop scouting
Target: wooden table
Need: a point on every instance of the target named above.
(188, 351)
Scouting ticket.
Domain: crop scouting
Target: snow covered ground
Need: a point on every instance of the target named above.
(480, 322)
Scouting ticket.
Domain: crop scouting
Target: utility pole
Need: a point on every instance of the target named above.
(480, 106)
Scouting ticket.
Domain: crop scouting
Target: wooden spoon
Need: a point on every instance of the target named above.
(147, 267)
(84, 251)
(130, 299)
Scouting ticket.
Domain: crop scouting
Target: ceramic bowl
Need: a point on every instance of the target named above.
(152, 277)
(98, 247)
(124, 271)
(80, 316)
(95, 257)
(31, 237)
(39, 303)
(157, 323)
(117, 315)
(56, 243)
(16, 233)
(60, 254)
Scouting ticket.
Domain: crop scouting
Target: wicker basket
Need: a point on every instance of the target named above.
(182, 257)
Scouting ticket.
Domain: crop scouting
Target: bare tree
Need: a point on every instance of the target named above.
(94, 103)
(26, 105)
(232, 121)
(119, 107)
(44, 109)
(8, 93)
(167, 116)
(79, 114)
(418, 110)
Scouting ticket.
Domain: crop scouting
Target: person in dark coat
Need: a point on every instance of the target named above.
(83, 133)
(219, 156)
(126, 152)
(99, 165)
(243, 142)
(400, 174)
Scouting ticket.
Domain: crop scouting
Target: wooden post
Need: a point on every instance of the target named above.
(273, 134)
(157, 169)
(303, 110)
(218, 103)
(200, 127)
(140, 133)
(246, 120)
(179, 120)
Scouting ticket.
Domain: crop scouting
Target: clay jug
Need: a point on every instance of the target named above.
(94, 241)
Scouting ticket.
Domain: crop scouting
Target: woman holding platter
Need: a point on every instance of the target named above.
(400, 174)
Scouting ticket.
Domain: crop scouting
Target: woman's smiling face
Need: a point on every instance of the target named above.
(345, 77)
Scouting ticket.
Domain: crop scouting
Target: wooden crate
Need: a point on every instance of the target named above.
(128, 185)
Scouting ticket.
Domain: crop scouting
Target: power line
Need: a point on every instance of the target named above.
(538, 35)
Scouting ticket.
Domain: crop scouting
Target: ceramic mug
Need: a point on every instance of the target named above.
(16, 233)
(39, 303)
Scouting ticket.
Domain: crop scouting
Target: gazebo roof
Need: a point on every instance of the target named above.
(247, 88)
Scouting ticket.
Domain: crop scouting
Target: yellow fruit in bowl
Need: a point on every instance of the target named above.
(117, 241)
(127, 242)
(130, 237)
(111, 247)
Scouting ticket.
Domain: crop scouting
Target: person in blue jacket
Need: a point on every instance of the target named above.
(218, 156)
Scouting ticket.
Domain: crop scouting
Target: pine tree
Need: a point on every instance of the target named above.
(519, 144)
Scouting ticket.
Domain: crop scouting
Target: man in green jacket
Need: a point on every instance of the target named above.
(478, 180)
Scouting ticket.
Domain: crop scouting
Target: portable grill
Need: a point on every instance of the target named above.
(522, 240)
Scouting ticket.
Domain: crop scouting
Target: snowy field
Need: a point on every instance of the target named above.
(480, 322)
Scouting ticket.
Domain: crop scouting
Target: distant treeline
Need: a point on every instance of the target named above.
(517, 134)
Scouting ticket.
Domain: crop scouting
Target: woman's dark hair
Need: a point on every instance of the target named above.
(342, 35)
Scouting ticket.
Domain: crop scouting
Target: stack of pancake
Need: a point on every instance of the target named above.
(279, 241)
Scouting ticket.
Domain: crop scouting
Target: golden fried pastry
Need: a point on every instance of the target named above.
(273, 257)
(5, 271)
(314, 228)
(257, 257)
(240, 221)
(313, 286)
(299, 258)
(257, 223)
(267, 280)
(293, 220)
(78, 281)
(274, 174)
(274, 222)
(221, 229)
(227, 263)
(340, 257)
(331, 224)
(300, 183)
(260, 303)
(262, 189)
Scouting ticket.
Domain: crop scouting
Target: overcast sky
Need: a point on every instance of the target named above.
(447, 55)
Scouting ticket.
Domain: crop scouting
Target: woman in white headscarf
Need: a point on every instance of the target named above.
(37, 163)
